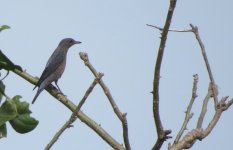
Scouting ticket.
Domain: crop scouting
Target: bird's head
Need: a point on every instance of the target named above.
(68, 42)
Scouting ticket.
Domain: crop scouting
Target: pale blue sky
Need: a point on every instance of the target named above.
(119, 44)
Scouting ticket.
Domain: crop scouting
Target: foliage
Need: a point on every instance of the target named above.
(17, 113)
(7, 64)
(13, 110)
(4, 27)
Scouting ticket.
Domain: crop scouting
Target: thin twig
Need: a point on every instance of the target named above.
(121, 116)
(171, 30)
(73, 117)
(161, 133)
(213, 85)
(68, 103)
(188, 115)
(204, 108)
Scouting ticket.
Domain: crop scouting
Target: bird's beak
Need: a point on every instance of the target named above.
(77, 42)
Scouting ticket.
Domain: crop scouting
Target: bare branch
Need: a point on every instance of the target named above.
(213, 85)
(188, 115)
(161, 133)
(82, 116)
(194, 29)
(187, 141)
(73, 117)
(221, 106)
(204, 107)
(121, 116)
(230, 102)
(89, 90)
(171, 30)
(198, 133)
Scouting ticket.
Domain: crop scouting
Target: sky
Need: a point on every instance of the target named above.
(120, 45)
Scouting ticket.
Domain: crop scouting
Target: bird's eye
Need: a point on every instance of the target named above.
(71, 41)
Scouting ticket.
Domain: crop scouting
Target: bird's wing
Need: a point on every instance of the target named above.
(53, 63)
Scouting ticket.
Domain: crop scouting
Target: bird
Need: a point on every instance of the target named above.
(55, 66)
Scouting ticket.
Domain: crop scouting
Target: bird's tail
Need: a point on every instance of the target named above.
(35, 97)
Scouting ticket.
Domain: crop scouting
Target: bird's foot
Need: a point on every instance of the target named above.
(60, 92)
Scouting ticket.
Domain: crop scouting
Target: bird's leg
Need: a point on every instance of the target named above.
(58, 87)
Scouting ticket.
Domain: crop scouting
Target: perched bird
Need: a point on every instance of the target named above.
(55, 66)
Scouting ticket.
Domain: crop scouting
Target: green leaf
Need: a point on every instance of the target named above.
(18, 114)
(4, 27)
(3, 131)
(24, 123)
(22, 107)
(8, 111)
(7, 64)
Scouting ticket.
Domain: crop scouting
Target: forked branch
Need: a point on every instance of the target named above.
(74, 115)
(82, 116)
(213, 85)
(188, 114)
(121, 116)
(200, 133)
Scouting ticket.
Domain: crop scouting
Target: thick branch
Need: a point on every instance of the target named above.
(83, 117)
(121, 116)
(162, 134)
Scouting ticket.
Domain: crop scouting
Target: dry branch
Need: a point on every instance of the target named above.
(73, 117)
(213, 85)
(162, 135)
(121, 116)
(188, 115)
(204, 108)
(171, 30)
(82, 116)
(200, 133)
